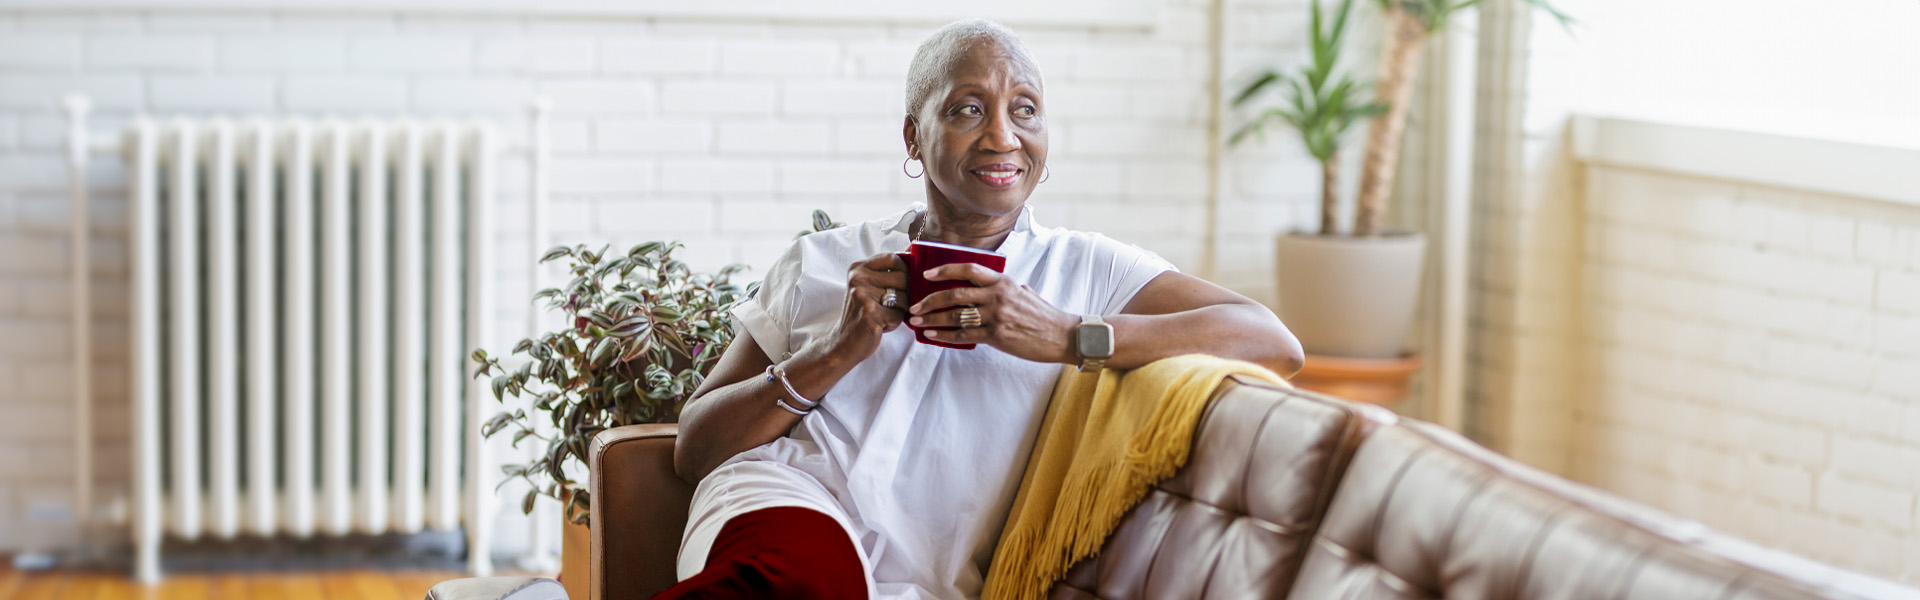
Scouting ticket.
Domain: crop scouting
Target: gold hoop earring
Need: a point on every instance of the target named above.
(911, 175)
(1046, 173)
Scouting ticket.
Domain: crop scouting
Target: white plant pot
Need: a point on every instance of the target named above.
(1349, 296)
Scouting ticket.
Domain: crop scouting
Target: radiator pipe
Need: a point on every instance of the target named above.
(77, 107)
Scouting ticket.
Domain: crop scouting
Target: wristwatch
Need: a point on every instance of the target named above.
(1093, 341)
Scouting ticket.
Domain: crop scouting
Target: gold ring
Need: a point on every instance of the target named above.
(969, 316)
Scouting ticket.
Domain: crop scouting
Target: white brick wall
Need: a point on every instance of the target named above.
(1735, 353)
(724, 135)
(1734, 346)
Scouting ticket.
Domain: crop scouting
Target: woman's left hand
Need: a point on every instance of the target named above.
(1013, 318)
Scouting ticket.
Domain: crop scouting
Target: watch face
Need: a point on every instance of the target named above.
(1095, 341)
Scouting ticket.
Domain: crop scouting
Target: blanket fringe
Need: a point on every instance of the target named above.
(1092, 502)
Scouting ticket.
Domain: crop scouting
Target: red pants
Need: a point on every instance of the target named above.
(783, 552)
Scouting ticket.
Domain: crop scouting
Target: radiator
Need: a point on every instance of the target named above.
(304, 297)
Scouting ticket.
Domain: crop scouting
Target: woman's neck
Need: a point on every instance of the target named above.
(948, 225)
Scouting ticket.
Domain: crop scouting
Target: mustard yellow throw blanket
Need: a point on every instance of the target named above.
(1106, 439)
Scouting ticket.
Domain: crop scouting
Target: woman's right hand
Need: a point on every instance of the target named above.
(862, 318)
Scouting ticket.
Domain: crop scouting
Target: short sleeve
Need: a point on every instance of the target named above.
(768, 314)
(1130, 268)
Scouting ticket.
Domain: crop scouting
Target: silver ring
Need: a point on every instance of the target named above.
(891, 299)
(969, 317)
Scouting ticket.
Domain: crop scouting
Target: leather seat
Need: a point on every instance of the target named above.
(1294, 494)
(1424, 513)
(1237, 521)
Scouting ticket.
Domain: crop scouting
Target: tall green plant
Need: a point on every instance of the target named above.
(1409, 24)
(1321, 104)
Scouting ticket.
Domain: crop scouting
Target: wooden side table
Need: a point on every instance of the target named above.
(1381, 381)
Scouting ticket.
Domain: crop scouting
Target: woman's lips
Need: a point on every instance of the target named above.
(998, 176)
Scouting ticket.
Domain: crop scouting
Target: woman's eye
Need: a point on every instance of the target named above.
(968, 110)
(1024, 111)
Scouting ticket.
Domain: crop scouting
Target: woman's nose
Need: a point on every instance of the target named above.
(999, 136)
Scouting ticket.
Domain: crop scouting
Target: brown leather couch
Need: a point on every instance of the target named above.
(1291, 494)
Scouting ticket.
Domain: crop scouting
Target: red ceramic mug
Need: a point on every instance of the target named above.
(924, 255)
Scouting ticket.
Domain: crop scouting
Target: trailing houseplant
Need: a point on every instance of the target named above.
(640, 331)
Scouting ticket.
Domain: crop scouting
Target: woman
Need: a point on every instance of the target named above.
(897, 482)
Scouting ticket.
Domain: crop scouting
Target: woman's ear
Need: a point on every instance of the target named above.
(910, 132)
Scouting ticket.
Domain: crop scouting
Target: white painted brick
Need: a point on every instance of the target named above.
(786, 58)
(589, 25)
(600, 96)
(656, 135)
(343, 93)
(1871, 460)
(656, 216)
(283, 53)
(1144, 64)
(716, 98)
(37, 172)
(503, 24)
(790, 137)
(412, 54)
(209, 23)
(1790, 485)
(76, 22)
(1898, 291)
(1074, 100)
(765, 217)
(568, 136)
(1089, 177)
(1830, 236)
(28, 423)
(1898, 378)
(1897, 334)
(659, 57)
(833, 177)
(1872, 504)
(537, 55)
(1789, 441)
(1812, 362)
(39, 51)
(472, 94)
(1167, 104)
(883, 59)
(212, 93)
(843, 98)
(337, 23)
(870, 137)
(50, 341)
(150, 52)
(715, 176)
(1141, 140)
(602, 175)
(9, 133)
(1166, 179)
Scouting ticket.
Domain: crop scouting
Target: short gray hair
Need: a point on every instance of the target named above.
(937, 55)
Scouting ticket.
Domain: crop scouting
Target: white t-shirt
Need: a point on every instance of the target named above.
(919, 450)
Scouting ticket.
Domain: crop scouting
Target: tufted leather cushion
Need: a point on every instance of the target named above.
(1424, 513)
(1235, 522)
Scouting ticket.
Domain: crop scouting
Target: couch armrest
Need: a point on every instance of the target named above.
(639, 511)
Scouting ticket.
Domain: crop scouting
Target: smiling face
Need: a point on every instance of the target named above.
(983, 134)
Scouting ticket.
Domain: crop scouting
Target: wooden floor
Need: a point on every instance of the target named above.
(308, 585)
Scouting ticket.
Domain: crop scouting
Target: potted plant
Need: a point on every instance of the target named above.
(1352, 293)
(640, 332)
